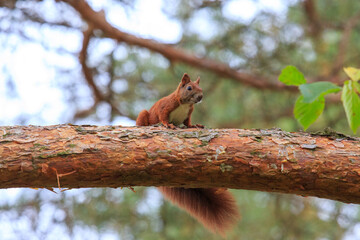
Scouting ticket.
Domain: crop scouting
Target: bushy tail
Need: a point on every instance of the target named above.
(215, 208)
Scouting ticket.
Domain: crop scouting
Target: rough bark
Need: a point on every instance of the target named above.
(325, 165)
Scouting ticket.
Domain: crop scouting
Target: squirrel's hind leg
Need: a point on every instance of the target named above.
(143, 118)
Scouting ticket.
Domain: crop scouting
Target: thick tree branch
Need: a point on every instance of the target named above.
(99, 21)
(323, 165)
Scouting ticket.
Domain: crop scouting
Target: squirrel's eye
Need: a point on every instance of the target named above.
(189, 88)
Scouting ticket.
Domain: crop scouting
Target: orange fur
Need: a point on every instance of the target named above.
(161, 110)
(215, 208)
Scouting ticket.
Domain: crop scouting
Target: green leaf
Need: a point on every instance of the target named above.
(307, 113)
(311, 91)
(353, 73)
(351, 102)
(357, 86)
(290, 75)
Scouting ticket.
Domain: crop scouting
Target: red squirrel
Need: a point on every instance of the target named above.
(215, 208)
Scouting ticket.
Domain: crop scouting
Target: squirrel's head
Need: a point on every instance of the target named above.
(189, 92)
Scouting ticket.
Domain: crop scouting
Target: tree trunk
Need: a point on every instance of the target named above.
(325, 165)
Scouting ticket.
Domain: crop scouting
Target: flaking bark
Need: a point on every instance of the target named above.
(322, 165)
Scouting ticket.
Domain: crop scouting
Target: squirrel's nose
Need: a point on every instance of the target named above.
(199, 98)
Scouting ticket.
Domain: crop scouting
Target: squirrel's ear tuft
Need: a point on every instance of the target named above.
(197, 81)
(185, 79)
